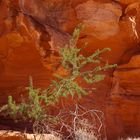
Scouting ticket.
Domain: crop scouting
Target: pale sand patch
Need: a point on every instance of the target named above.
(15, 135)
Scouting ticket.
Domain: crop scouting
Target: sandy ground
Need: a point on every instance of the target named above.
(15, 135)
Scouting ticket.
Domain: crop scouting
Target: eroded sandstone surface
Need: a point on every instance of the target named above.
(32, 31)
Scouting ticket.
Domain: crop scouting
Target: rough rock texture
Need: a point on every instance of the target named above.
(125, 96)
(101, 18)
(32, 31)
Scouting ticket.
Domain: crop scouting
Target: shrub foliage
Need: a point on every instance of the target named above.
(72, 60)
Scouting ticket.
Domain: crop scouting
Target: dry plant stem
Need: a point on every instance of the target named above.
(78, 122)
(77, 118)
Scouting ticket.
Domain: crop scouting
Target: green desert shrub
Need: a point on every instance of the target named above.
(72, 60)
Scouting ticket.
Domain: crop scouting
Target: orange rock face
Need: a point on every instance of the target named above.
(32, 31)
(124, 103)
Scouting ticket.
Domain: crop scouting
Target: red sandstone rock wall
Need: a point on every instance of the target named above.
(31, 32)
